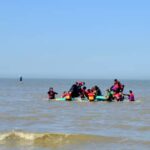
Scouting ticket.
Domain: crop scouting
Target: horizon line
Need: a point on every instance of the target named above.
(64, 78)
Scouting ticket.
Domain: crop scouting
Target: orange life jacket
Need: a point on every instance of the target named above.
(68, 96)
(91, 96)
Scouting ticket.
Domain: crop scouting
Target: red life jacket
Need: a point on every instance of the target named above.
(68, 96)
(91, 96)
(116, 86)
(117, 96)
(131, 97)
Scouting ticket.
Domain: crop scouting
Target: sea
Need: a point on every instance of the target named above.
(29, 121)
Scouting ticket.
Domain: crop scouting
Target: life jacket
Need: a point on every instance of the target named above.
(131, 97)
(115, 87)
(91, 96)
(64, 95)
(117, 96)
(68, 96)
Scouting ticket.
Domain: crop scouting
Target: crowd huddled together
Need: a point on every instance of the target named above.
(78, 89)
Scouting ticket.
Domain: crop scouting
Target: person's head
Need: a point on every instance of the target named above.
(96, 87)
(115, 80)
(89, 90)
(130, 91)
(84, 87)
(51, 89)
(77, 83)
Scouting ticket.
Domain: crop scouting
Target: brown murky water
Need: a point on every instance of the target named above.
(29, 121)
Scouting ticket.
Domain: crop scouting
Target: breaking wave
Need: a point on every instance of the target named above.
(51, 139)
(58, 139)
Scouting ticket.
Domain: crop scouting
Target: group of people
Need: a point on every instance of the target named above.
(78, 89)
(116, 92)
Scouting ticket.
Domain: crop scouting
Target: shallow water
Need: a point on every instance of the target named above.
(29, 121)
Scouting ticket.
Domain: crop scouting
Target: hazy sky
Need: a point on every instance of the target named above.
(75, 38)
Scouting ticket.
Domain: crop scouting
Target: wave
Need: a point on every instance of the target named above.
(51, 139)
(58, 139)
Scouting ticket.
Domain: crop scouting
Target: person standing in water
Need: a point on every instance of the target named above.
(131, 96)
(20, 79)
(51, 93)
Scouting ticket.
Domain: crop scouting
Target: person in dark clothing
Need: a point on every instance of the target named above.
(83, 93)
(51, 93)
(117, 87)
(97, 91)
(75, 90)
(21, 79)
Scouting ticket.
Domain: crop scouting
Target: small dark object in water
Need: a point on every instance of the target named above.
(20, 79)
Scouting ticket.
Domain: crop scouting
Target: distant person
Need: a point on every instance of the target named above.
(20, 79)
(131, 96)
(117, 86)
(91, 95)
(109, 96)
(75, 90)
(118, 96)
(51, 93)
(83, 93)
(97, 91)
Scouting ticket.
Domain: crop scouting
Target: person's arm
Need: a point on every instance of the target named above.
(126, 94)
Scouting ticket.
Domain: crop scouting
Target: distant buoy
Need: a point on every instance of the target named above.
(20, 79)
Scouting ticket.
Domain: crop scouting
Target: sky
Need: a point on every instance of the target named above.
(93, 39)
